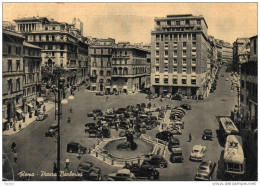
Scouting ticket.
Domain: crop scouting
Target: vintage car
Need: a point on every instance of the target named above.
(157, 161)
(122, 175)
(207, 134)
(164, 135)
(90, 126)
(198, 153)
(95, 113)
(176, 155)
(175, 129)
(178, 123)
(99, 94)
(73, 147)
(173, 143)
(41, 116)
(53, 129)
(186, 106)
(205, 171)
(144, 171)
(89, 171)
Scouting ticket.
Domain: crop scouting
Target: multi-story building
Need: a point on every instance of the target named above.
(129, 67)
(179, 55)
(100, 61)
(12, 76)
(241, 50)
(31, 76)
(60, 43)
(248, 87)
(227, 53)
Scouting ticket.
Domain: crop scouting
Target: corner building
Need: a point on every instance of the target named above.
(179, 55)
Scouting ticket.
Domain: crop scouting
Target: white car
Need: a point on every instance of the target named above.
(227, 79)
(198, 153)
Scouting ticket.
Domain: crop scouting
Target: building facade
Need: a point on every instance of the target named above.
(241, 49)
(101, 64)
(61, 44)
(179, 55)
(227, 53)
(129, 68)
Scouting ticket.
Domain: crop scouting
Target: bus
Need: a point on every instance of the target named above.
(227, 127)
(234, 160)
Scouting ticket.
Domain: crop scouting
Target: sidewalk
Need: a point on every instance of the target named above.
(28, 121)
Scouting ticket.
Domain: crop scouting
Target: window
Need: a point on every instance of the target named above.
(165, 68)
(193, 36)
(10, 86)
(62, 47)
(166, 45)
(184, 61)
(184, 69)
(184, 44)
(175, 45)
(175, 36)
(193, 81)
(166, 52)
(94, 72)
(175, 60)
(61, 54)
(187, 22)
(157, 37)
(255, 46)
(193, 69)
(157, 52)
(157, 69)
(108, 73)
(241, 98)
(189, 36)
(52, 38)
(17, 65)
(157, 60)
(18, 84)
(9, 49)
(166, 37)
(18, 51)
(242, 83)
(178, 23)
(175, 53)
(165, 80)
(61, 63)
(198, 22)
(174, 69)
(157, 45)
(185, 36)
(161, 37)
(53, 53)
(158, 23)
(175, 81)
(193, 60)
(94, 64)
(108, 64)
(9, 63)
(169, 23)
(184, 81)
(165, 60)
(101, 72)
(184, 52)
(46, 28)
(193, 44)
(157, 80)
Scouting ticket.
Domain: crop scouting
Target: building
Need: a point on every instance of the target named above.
(179, 55)
(100, 53)
(248, 87)
(129, 68)
(12, 65)
(241, 50)
(227, 53)
(21, 77)
(31, 76)
(62, 43)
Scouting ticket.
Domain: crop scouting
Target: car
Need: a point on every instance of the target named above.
(198, 153)
(173, 143)
(205, 171)
(121, 111)
(90, 126)
(89, 171)
(143, 105)
(157, 161)
(175, 130)
(176, 155)
(73, 147)
(52, 131)
(144, 171)
(41, 117)
(226, 79)
(164, 135)
(177, 97)
(222, 75)
(207, 134)
(99, 94)
(178, 123)
(122, 175)
(94, 133)
(186, 106)
(116, 93)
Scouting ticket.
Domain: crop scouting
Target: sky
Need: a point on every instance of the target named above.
(134, 22)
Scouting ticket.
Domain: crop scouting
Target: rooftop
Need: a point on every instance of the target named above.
(13, 33)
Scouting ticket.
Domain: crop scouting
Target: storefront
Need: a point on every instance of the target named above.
(108, 88)
(114, 88)
(125, 89)
(19, 114)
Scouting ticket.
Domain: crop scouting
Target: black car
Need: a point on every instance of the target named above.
(144, 171)
(157, 161)
(205, 171)
(207, 134)
(121, 111)
(176, 155)
(90, 126)
(52, 131)
(177, 97)
(173, 143)
(89, 172)
(73, 147)
(164, 135)
(99, 94)
(186, 106)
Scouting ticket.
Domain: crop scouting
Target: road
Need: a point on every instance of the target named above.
(37, 153)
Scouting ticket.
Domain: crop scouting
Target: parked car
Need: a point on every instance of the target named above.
(178, 123)
(89, 171)
(173, 143)
(41, 117)
(177, 97)
(99, 94)
(186, 106)
(144, 171)
(94, 133)
(157, 161)
(176, 155)
(207, 134)
(121, 175)
(198, 152)
(205, 171)
(73, 147)
(164, 135)
(90, 126)
(226, 79)
(174, 129)
(53, 129)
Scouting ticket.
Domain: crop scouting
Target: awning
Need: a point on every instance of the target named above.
(193, 77)
(124, 87)
(4, 120)
(184, 77)
(40, 99)
(93, 85)
(108, 86)
(19, 111)
(115, 86)
(30, 105)
(157, 76)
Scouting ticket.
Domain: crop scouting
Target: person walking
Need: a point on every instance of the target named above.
(69, 119)
(67, 163)
(15, 156)
(13, 146)
(107, 98)
(70, 109)
(190, 137)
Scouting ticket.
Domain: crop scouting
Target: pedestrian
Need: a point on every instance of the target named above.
(68, 119)
(13, 146)
(78, 88)
(107, 98)
(67, 163)
(190, 137)
(79, 152)
(23, 118)
(20, 126)
(54, 168)
(15, 157)
(44, 108)
(70, 109)
(154, 105)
